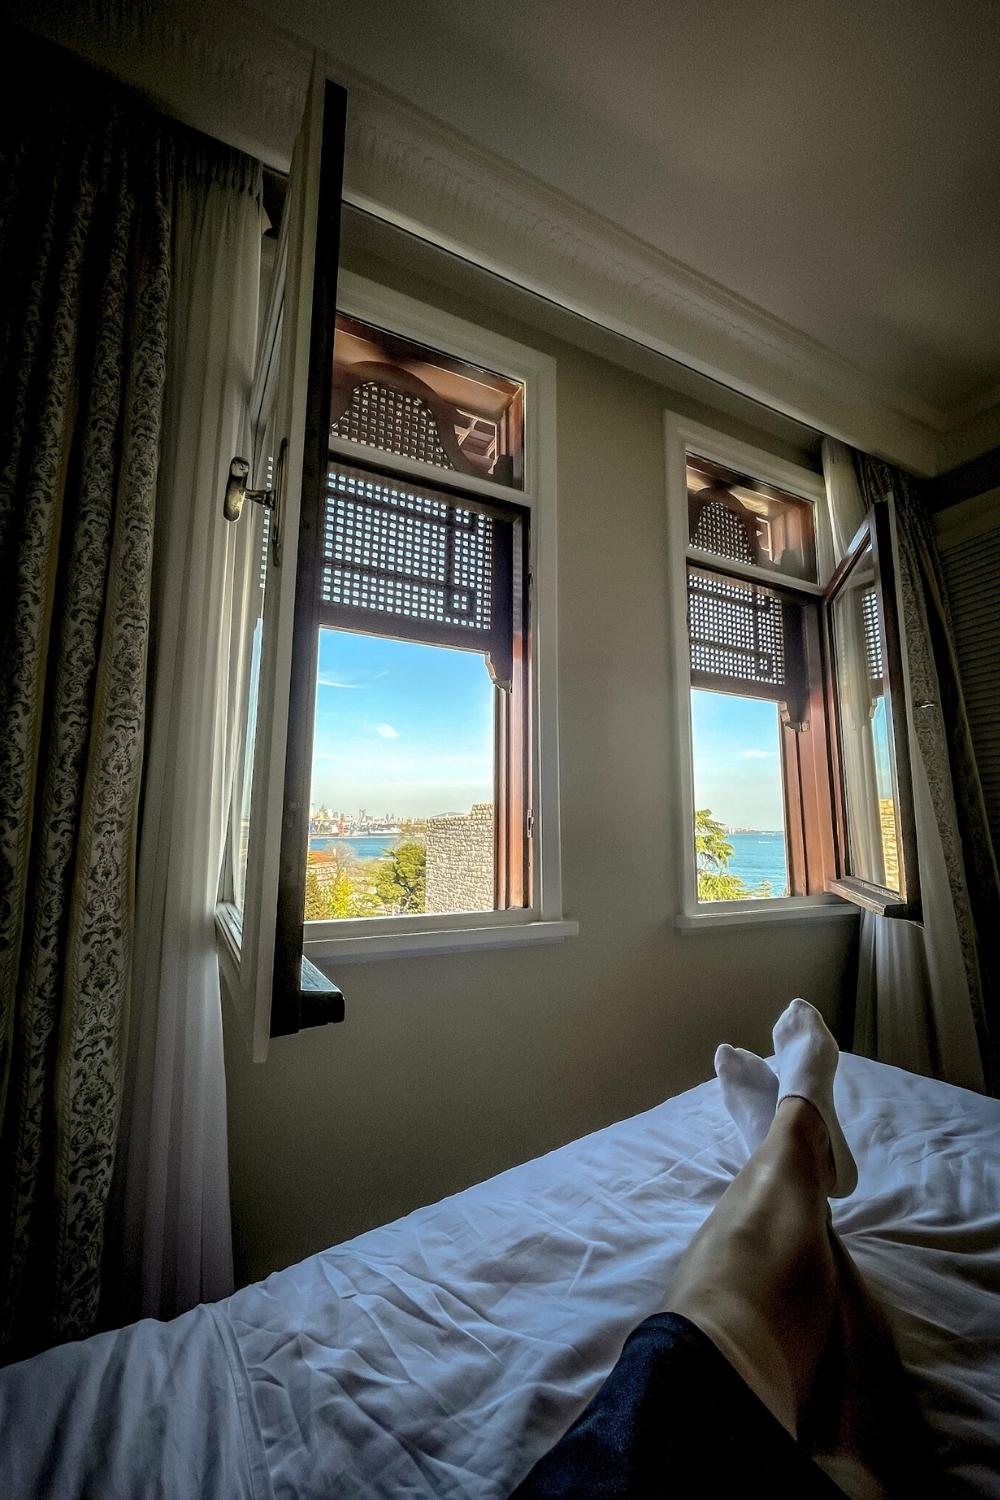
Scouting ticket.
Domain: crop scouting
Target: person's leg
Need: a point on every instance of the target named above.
(772, 1286)
(863, 1425)
(768, 1284)
(760, 1278)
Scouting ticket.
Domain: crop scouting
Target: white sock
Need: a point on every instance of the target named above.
(807, 1062)
(749, 1092)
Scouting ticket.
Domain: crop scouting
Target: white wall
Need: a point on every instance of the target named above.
(449, 1069)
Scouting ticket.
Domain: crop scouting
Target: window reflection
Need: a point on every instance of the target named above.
(866, 755)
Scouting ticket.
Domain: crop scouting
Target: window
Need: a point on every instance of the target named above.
(404, 534)
(433, 783)
(876, 841)
(419, 809)
(795, 790)
(424, 681)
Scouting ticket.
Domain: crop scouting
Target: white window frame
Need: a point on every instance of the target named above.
(683, 437)
(328, 944)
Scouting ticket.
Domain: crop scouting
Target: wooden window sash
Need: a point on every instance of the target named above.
(877, 529)
(806, 772)
(302, 996)
(803, 733)
(507, 651)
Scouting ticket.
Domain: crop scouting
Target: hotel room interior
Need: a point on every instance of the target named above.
(499, 551)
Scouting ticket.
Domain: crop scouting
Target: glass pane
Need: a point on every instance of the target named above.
(400, 397)
(401, 815)
(734, 516)
(739, 798)
(243, 787)
(865, 724)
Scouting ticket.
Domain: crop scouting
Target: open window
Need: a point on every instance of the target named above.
(270, 984)
(792, 723)
(399, 775)
(875, 835)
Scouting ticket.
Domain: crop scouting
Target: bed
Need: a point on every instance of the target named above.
(442, 1354)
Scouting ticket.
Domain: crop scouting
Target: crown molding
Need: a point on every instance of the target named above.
(230, 71)
(410, 169)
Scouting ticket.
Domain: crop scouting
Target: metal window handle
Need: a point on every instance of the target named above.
(237, 493)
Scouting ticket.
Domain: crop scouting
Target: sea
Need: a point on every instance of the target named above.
(363, 845)
(759, 856)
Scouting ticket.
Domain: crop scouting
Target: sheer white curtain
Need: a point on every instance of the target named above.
(174, 1180)
(916, 1003)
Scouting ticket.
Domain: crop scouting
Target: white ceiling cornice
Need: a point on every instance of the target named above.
(231, 73)
(409, 168)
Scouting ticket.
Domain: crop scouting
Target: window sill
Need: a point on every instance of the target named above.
(327, 952)
(774, 914)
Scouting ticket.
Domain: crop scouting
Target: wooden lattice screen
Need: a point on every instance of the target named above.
(394, 421)
(411, 562)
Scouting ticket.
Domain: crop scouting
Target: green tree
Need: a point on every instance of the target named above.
(713, 851)
(710, 843)
(315, 909)
(328, 898)
(721, 887)
(401, 878)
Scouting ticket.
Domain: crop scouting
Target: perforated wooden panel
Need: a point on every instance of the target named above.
(394, 422)
(408, 561)
(737, 634)
(718, 529)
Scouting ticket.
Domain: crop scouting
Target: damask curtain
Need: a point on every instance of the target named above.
(928, 994)
(85, 212)
(98, 199)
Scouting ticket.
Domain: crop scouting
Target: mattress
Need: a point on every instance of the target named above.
(442, 1354)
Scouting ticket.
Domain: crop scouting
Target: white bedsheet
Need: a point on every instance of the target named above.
(442, 1354)
(154, 1410)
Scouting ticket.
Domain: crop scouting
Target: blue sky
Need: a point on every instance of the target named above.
(408, 729)
(401, 728)
(737, 762)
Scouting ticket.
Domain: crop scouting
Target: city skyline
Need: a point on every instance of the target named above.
(406, 730)
(401, 726)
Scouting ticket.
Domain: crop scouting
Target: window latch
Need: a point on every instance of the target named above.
(237, 493)
(529, 824)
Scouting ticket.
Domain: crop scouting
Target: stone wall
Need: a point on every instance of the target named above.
(460, 861)
(890, 851)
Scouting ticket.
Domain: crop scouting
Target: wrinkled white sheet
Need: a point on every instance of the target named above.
(442, 1354)
(154, 1410)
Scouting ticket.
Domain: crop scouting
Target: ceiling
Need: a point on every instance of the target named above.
(837, 164)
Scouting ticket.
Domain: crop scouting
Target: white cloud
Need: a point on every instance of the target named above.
(328, 679)
(756, 754)
(386, 731)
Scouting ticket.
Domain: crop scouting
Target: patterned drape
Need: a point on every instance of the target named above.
(85, 265)
(953, 834)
